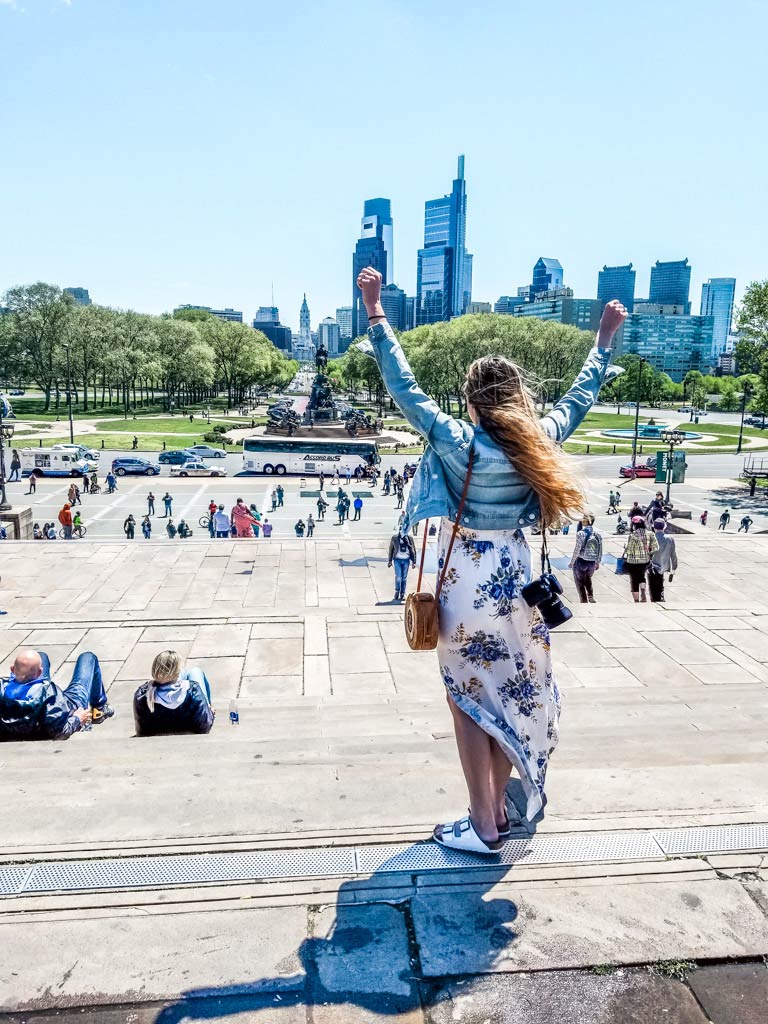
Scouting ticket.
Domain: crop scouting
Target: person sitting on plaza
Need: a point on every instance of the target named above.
(221, 522)
(173, 700)
(33, 707)
(663, 561)
(184, 529)
(65, 518)
(170, 529)
(37, 533)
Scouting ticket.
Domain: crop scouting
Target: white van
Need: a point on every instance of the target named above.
(53, 462)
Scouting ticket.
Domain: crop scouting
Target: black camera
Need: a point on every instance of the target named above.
(544, 594)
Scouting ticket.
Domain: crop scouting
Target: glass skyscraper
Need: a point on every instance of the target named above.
(344, 320)
(444, 269)
(672, 344)
(374, 249)
(616, 283)
(717, 297)
(671, 284)
(547, 275)
(267, 320)
(393, 304)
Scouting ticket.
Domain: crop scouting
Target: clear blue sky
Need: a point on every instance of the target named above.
(168, 151)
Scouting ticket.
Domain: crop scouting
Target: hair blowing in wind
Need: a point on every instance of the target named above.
(506, 409)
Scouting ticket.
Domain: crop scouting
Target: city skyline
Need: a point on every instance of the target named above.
(148, 211)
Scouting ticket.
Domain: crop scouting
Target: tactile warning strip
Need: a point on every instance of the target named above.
(262, 865)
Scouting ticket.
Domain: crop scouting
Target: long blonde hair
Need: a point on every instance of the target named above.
(165, 669)
(504, 403)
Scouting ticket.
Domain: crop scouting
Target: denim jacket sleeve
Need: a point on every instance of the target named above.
(568, 413)
(443, 432)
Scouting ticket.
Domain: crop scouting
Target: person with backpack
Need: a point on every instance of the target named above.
(129, 527)
(586, 558)
(402, 554)
(641, 546)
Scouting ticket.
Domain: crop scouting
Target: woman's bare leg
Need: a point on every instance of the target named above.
(501, 769)
(475, 755)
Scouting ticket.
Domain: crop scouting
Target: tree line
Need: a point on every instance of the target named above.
(111, 356)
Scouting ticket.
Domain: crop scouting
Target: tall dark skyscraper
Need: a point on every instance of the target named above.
(616, 283)
(374, 249)
(444, 271)
(547, 275)
(671, 284)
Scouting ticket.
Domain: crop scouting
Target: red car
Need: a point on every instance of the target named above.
(641, 469)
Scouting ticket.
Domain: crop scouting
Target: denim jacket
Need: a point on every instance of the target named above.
(498, 497)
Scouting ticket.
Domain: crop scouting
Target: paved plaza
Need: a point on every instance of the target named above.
(653, 847)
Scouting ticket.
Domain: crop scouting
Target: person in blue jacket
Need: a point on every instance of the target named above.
(173, 700)
(493, 647)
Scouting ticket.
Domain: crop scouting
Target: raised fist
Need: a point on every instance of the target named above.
(369, 283)
(613, 317)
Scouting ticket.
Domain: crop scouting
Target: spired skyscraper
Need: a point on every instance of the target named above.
(547, 276)
(444, 270)
(374, 249)
(717, 297)
(616, 283)
(671, 284)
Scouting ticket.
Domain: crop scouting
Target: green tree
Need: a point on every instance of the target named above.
(39, 314)
(752, 324)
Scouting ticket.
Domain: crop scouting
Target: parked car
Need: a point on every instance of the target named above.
(197, 468)
(80, 451)
(17, 392)
(175, 457)
(125, 466)
(647, 468)
(204, 451)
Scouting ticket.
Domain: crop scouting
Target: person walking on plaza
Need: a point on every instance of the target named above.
(15, 473)
(402, 554)
(656, 510)
(129, 527)
(358, 506)
(322, 505)
(134, 443)
(150, 504)
(663, 561)
(168, 503)
(613, 502)
(335, 479)
(111, 482)
(33, 707)
(280, 495)
(266, 529)
(637, 555)
(146, 527)
(725, 518)
(221, 522)
(310, 526)
(400, 494)
(322, 481)
(586, 558)
(174, 700)
(256, 524)
(703, 517)
(72, 495)
(493, 648)
(348, 475)
(32, 482)
(242, 519)
(386, 485)
(746, 522)
(65, 518)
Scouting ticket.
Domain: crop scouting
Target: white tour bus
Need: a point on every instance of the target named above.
(306, 455)
(54, 462)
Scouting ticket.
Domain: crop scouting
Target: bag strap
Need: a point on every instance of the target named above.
(441, 580)
(545, 563)
(423, 553)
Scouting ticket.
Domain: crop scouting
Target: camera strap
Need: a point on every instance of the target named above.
(545, 563)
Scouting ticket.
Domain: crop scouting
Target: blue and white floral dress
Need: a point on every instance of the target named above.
(494, 650)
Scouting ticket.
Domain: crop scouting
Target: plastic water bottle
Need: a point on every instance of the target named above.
(234, 714)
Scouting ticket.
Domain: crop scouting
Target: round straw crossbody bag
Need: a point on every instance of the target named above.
(421, 625)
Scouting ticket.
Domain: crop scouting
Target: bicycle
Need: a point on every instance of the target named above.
(204, 521)
(77, 531)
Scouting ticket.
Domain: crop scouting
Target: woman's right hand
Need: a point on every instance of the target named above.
(369, 283)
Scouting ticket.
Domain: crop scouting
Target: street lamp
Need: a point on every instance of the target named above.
(638, 395)
(671, 438)
(69, 396)
(6, 433)
(744, 396)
